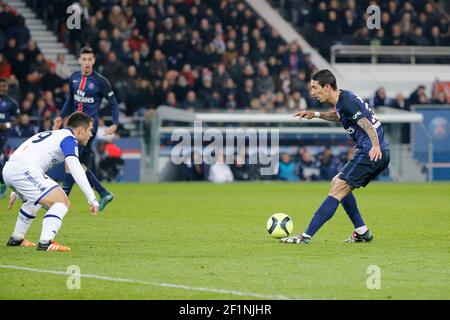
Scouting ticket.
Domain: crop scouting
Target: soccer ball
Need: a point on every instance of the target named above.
(280, 225)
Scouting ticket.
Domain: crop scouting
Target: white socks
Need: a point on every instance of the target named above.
(52, 221)
(27, 213)
(361, 230)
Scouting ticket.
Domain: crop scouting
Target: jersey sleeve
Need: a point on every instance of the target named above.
(15, 112)
(108, 93)
(69, 146)
(80, 178)
(352, 109)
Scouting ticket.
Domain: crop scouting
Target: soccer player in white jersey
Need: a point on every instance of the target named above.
(25, 172)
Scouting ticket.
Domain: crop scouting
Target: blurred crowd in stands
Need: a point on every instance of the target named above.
(308, 163)
(403, 22)
(215, 55)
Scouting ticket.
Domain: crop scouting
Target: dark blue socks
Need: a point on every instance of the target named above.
(322, 215)
(329, 207)
(350, 206)
(93, 181)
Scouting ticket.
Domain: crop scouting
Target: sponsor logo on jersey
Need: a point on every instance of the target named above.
(83, 99)
(350, 130)
(356, 115)
(34, 181)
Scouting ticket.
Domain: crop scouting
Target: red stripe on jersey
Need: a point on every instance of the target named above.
(81, 88)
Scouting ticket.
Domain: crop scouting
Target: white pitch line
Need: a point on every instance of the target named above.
(157, 284)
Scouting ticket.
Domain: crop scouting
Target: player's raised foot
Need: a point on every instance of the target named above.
(300, 239)
(104, 200)
(365, 237)
(52, 246)
(3, 188)
(12, 242)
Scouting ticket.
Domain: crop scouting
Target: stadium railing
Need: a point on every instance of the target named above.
(166, 119)
(405, 53)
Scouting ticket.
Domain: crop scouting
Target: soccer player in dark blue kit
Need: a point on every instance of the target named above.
(371, 156)
(9, 117)
(87, 89)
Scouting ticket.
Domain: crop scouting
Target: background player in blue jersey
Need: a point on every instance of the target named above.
(371, 156)
(87, 89)
(9, 117)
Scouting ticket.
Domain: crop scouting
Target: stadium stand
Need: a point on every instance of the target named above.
(149, 44)
(201, 55)
(246, 61)
(325, 23)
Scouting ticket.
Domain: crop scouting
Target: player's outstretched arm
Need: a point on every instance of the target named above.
(375, 152)
(329, 116)
(80, 178)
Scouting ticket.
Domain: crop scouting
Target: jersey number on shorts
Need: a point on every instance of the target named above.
(42, 136)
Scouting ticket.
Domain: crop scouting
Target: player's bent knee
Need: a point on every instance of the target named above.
(65, 201)
(339, 188)
(56, 195)
(334, 178)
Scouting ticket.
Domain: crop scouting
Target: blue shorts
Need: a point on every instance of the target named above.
(359, 171)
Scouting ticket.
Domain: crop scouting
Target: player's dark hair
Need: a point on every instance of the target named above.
(3, 80)
(86, 50)
(324, 77)
(77, 119)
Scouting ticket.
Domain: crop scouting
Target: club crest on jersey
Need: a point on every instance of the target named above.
(91, 86)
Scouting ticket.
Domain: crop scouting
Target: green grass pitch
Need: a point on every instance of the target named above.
(204, 241)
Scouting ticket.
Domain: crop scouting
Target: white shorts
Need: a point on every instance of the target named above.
(29, 182)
